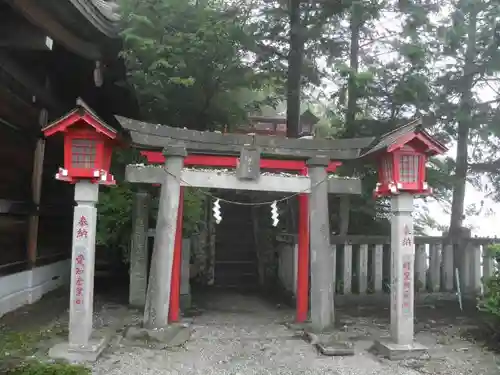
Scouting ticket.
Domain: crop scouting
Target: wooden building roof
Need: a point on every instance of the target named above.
(88, 28)
(48, 55)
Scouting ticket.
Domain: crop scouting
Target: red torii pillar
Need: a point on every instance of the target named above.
(302, 294)
(175, 285)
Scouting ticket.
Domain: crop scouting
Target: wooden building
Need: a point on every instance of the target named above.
(51, 53)
(265, 125)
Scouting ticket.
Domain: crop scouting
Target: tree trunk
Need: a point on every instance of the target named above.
(295, 57)
(464, 123)
(352, 104)
(352, 90)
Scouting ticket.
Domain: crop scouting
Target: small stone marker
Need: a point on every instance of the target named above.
(83, 345)
(402, 343)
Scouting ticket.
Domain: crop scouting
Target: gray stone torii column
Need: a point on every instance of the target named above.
(158, 294)
(139, 249)
(322, 282)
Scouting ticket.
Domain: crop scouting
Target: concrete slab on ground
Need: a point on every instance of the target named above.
(170, 336)
(393, 351)
(90, 353)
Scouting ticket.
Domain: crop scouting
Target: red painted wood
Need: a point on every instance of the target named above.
(75, 117)
(98, 126)
(156, 157)
(84, 126)
(175, 284)
(62, 124)
(428, 145)
(302, 304)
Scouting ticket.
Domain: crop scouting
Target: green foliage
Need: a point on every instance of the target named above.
(114, 221)
(194, 199)
(186, 60)
(490, 301)
(39, 368)
(193, 211)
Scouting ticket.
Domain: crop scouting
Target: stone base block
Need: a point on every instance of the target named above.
(395, 351)
(70, 353)
(298, 327)
(169, 336)
(327, 343)
(335, 348)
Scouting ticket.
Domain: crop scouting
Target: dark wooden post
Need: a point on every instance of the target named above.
(36, 191)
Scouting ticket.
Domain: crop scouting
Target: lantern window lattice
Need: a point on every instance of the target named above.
(409, 168)
(387, 170)
(83, 153)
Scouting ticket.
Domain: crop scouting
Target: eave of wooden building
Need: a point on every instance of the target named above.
(88, 28)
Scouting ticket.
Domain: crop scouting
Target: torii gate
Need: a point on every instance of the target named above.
(312, 160)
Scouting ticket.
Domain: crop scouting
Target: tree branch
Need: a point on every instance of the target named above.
(486, 167)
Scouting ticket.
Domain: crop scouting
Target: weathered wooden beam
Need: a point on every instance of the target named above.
(36, 190)
(15, 207)
(145, 135)
(35, 14)
(16, 34)
(29, 82)
(228, 180)
(16, 108)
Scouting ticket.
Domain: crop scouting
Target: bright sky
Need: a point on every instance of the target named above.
(483, 225)
(486, 223)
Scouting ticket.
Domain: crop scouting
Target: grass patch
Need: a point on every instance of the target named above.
(19, 344)
(38, 368)
(16, 346)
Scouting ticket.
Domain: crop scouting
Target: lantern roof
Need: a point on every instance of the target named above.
(81, 112)
(411, 132)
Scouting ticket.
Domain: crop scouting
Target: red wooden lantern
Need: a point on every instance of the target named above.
(88, 145)
(402, 155)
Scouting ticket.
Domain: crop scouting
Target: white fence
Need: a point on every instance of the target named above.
(362, 264)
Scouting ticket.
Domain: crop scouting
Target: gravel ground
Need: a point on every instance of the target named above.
(238, 334)
(241, 334)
